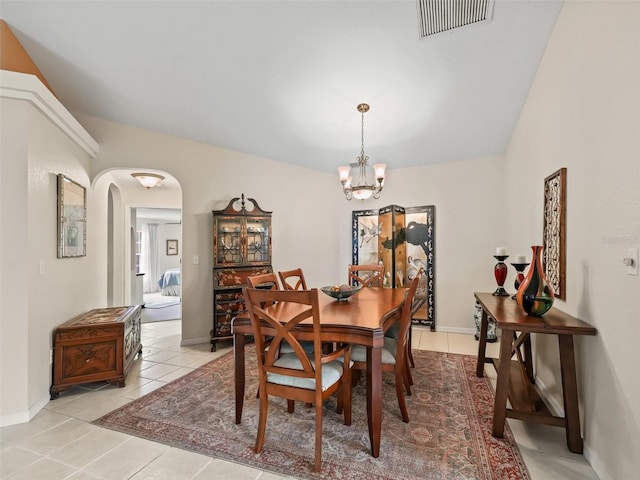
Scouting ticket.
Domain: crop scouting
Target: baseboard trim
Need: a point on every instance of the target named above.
(465, 331)
(24, 416)
(195, 341)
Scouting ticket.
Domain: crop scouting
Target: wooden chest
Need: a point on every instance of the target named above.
(99, 345)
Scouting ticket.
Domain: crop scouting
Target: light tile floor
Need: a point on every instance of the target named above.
(61, 443)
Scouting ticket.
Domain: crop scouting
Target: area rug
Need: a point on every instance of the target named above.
(172, 312)
(162, 302)
(448, 436)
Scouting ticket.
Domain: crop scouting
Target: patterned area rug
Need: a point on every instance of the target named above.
(448, 436)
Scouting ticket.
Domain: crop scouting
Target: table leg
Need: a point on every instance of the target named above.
(502, 384)
(238, 357)
(570, 392)
(374, 397)
(528, 359)
(482, 344)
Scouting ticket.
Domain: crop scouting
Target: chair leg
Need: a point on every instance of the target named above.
(346, 398)
(262, 422)
(407, 381)
(410, 349)
(408, 371)
(318, 454)
(400, 395)
(290, 406)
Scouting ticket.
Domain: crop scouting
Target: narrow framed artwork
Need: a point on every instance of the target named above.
(172, 247)
(554, 231)
(72, 218)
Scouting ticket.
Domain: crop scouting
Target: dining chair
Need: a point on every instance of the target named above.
(311, 378)
(419, 300)
(366, 275)
(269, 281)
(394, 351)
(293, 279)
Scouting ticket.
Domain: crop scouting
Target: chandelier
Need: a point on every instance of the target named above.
(359, 180)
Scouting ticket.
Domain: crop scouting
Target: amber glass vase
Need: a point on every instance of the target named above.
(535, 295)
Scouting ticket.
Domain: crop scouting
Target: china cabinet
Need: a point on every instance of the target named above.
(241, 248)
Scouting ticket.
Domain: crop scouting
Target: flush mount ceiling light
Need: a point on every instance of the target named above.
(148, 180)
(359, 180)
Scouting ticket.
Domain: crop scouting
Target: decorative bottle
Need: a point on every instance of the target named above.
(535, 295)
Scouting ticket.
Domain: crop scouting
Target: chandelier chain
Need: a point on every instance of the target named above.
(362, 135)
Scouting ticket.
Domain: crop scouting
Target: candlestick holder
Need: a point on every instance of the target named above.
(519, 276)
(500, 272)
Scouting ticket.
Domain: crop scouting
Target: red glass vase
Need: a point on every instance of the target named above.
(500, 272)
(535, 295)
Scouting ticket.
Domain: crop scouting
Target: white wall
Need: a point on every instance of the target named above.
(209, 177)
(469, 204)
(14, 249)
(468, 196)
(169, 232)
(39, 291)
(583, 113)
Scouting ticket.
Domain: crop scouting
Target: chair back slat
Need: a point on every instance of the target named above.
(293, 279)
(366, 275)
(266, 321)
(264, 280)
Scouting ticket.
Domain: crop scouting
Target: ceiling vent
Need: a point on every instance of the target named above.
(436, 16)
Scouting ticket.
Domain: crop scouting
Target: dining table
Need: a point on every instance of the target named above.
(362, 319)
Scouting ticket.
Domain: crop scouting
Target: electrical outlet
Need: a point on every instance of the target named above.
(631, 261)
(196, 259)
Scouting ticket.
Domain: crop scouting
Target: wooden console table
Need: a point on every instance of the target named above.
(99, 345)
(516, 379)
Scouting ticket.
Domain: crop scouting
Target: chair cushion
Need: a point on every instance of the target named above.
(359, 353)
(307, 346)
(331, 373)
(393, 331)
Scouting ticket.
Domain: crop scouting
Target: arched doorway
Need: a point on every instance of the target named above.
(129, 206)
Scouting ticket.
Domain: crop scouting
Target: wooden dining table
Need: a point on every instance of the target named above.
(361, 320)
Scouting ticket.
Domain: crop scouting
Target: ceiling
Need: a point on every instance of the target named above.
(281, 79)
(159, 215)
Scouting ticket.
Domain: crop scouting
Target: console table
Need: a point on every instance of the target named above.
(516, 378)
(99, 345)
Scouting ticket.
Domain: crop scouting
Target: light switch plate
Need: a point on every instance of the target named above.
(632, 253)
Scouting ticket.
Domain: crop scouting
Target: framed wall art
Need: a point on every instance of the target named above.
(172, 247)
(554, 231)
(72, 218)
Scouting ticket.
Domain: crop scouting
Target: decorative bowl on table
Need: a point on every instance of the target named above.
(341, 292)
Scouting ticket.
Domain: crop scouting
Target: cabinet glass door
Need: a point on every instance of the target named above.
(228, 245)
(258, 247)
